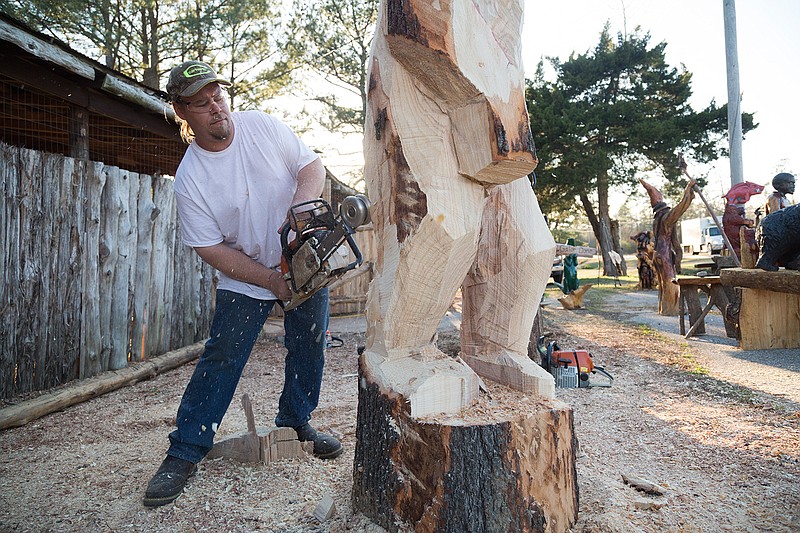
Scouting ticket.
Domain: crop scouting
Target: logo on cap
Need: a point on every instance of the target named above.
(196, 70)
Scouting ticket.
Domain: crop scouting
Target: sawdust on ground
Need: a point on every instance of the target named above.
(726, 457)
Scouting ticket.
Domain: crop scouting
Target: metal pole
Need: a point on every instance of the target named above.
(734, 98)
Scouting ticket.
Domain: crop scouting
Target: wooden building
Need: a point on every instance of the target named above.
(93, 274)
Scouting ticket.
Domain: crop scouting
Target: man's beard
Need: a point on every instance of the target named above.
(221, 130)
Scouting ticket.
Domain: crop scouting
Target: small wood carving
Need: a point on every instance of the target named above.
(667, 253)
(734, 219)
(574, 300)
(570, 277)
(644, 257)
(777, 200)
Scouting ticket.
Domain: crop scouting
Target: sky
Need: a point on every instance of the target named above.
(768, 52)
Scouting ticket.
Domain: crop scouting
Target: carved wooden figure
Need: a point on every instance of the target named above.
(644, 257)
(777, 200)
(447, 151)
(667, 253)
(780, 240)
(734, 221)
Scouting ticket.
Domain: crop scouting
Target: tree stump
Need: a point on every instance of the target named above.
(507, 473)
(447, 151)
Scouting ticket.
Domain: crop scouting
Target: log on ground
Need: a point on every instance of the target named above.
(24, 412)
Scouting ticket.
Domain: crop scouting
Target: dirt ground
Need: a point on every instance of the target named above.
(726, 454)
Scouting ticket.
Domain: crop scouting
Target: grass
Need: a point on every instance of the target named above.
(685, 360)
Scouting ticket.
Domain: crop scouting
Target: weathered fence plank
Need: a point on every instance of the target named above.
(144, 251)
(162, 265)
(70, 254)
(91, 339)
(10, 242)
(30, 215)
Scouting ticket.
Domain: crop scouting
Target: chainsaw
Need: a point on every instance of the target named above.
(317, 257)
(571, 368)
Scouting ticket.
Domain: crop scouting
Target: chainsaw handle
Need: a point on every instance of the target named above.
(284, 231)
(601, 370)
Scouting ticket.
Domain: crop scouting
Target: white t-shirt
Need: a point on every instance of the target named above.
(240, 195)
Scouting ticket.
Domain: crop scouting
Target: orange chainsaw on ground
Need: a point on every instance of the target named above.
(571, 368)
(317, 257)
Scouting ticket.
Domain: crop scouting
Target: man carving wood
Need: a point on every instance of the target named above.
(447, 151)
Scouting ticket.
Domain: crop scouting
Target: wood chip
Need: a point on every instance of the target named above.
(643, 485)
(326, 508)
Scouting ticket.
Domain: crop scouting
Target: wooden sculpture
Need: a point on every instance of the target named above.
(783, 183)
(447, 151)
(780, 240)
(644, 257)
(734, 221)
(667, 253)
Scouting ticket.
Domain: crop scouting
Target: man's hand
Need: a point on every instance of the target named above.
(279, 286)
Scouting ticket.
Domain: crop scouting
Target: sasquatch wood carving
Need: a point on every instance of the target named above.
(447, 151)
(447, 148)
(667, 253)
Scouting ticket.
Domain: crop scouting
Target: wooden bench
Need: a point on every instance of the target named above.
(689, 299)
(769, 313)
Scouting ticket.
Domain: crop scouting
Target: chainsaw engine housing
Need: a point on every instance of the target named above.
(571, 368)
(317, 256)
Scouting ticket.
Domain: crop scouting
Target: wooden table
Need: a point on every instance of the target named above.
(769, 315)
(690, 288)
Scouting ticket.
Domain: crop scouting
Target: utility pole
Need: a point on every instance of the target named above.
(734, 95)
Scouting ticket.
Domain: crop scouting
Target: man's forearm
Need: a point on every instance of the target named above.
(241, 267)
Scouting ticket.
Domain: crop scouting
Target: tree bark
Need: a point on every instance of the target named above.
(601, 233)
(617, 244)
(503, 474)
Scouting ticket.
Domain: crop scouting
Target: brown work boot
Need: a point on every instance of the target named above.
(168, 482)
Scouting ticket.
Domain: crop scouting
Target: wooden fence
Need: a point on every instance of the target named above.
(94, 275)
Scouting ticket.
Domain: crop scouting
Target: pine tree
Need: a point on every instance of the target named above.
(613, 113)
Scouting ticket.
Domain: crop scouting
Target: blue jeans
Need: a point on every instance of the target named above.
(237, 322)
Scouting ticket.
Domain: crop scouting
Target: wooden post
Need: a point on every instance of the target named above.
(769, 313)
(447, 149)
(79, 133)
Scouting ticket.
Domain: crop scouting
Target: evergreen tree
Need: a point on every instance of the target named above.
(613, 113)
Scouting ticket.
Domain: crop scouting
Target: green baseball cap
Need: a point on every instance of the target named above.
(189, 77)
